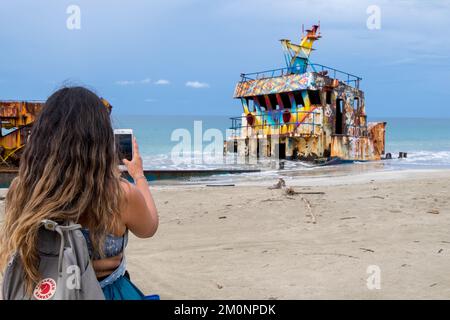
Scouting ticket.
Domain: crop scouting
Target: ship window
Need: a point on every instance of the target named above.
(338, 117)
(251, 105)
(247, 102)
(286, 101)
(256, 103)
(262, 102)
(314, 97)
(298, 98)
(274, 102)
(356, 103)
(328, 97)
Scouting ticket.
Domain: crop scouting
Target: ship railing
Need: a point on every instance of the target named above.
(237, 126)
(276, 123)
(348, 78)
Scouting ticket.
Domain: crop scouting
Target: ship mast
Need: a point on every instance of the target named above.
(297, 55)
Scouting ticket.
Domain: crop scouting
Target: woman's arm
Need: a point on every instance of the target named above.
(140, 215)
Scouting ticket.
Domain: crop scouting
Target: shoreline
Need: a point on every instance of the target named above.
(313, 181)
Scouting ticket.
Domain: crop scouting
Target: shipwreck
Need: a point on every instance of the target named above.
(304, 111)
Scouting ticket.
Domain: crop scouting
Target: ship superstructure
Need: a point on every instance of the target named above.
(304, 111)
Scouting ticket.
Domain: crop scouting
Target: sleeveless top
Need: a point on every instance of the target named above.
(113, 246)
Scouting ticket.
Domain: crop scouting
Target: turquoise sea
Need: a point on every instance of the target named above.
(427, 142)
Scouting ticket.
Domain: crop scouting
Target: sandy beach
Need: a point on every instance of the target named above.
(251, 242)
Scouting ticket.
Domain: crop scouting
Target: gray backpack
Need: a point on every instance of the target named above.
(65, 267)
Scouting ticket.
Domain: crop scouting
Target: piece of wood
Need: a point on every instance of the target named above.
(308, 205)
(312, 192)
(279, 185)
(290, 191)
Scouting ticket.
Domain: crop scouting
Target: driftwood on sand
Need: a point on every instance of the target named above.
(290, 192)
(279, 185)
(311, 213)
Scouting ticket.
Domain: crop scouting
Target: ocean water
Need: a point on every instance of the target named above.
(427, 142)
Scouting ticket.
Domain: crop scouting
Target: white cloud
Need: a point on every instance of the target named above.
(162, 82)
(133, 82)
(125, 82)
(197, 84)
(146, 80)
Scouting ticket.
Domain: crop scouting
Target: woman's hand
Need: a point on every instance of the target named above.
(134, 166)
(140, 216)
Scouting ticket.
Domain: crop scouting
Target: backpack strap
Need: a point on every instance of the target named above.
(60, 229)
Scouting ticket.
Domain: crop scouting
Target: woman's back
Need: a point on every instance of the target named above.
(69, 171)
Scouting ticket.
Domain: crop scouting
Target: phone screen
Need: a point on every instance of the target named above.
(125, 146)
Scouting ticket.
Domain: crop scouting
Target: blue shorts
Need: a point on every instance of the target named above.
(124, 289)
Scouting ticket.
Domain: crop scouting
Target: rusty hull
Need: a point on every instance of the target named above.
(16, 117)
(359, 140)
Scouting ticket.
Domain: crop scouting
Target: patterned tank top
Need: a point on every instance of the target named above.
(113, 246)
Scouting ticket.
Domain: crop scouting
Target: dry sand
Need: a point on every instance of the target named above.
(249, 242)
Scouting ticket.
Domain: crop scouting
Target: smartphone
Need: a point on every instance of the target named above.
(124, 144)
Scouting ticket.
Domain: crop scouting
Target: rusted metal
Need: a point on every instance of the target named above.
(315, 111)
(17, 118)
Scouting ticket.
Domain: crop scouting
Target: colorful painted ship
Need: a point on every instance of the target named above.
(304, 111)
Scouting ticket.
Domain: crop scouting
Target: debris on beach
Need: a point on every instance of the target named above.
(405, 265)
(279, 185)
(433, 211)
(308, 206)
(291, 192)
(270, 200)
(367, 250)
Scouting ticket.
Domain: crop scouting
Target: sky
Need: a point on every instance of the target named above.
(184, 57)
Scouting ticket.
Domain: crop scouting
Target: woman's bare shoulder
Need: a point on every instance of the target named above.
(130, 190)
(132, 198)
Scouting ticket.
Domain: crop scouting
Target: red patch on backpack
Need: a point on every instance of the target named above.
(45, 289)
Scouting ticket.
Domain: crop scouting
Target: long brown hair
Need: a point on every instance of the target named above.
(68, 171)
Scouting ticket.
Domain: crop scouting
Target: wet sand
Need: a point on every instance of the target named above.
(250, 242)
